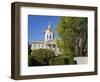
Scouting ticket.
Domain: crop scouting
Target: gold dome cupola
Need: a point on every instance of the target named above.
(49, 28)
(49, 35)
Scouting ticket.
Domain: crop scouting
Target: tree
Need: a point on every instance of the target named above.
(72, 33)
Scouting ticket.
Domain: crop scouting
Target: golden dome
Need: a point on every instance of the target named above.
(49, 28)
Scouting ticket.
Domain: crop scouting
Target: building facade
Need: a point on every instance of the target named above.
(48, 43)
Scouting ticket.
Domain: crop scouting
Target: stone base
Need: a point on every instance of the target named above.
(81, 60)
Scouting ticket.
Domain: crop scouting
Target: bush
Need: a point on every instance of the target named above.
(70, 57)
(34, 62)
(41, 57)
(61, 60)
(56, 61)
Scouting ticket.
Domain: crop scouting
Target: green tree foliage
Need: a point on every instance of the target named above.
(42, 55)
(70, 30)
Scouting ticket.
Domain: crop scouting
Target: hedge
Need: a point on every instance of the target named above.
(34, 61)
(61, 60)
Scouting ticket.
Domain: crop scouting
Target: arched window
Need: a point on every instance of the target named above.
(50, 36)
(47, 36)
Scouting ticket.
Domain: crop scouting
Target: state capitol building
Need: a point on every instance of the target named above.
(48, 43)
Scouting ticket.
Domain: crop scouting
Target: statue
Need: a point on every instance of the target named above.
(79, 45)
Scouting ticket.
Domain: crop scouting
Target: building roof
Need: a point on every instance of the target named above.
(42, 42)
(50, 42)
(47, 42)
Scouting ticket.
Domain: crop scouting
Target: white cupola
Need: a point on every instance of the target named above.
(49, 35)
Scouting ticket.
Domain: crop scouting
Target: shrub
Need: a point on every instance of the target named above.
(61, 60)
(33, 62)
(41, 56)
(56, 61)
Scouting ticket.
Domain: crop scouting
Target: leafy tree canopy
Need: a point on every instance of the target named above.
(70, 29)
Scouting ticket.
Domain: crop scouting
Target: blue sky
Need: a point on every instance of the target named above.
(38, 24)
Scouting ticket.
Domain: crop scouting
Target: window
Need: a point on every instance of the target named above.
(38, 45)
(53, 46)
(42, 46)
(50, 36)
(49, 46)
(47, 36)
